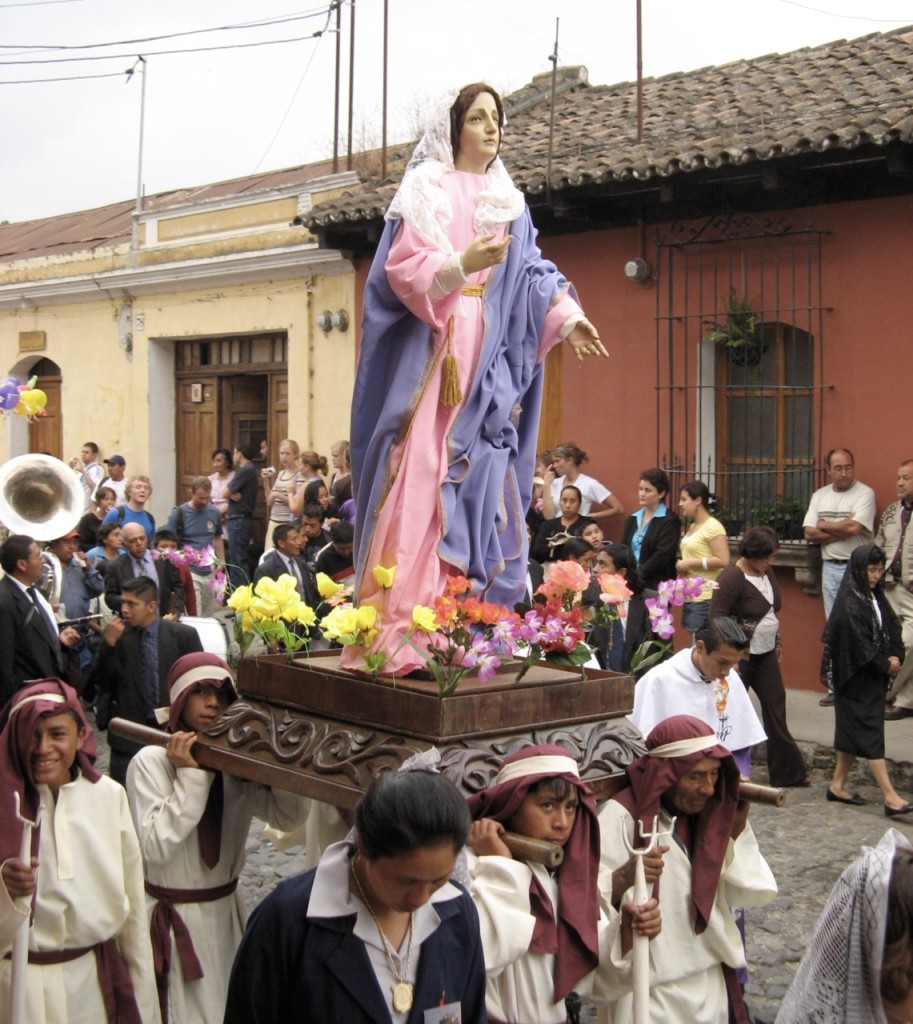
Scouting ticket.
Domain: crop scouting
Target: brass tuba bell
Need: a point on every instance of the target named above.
(40, 496)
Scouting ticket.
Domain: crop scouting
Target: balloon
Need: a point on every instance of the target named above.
(9, 396)
(35, 397)
(21, 409)
(9, 380)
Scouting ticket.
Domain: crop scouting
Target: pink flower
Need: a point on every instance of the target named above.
(614, 589)
(564, 577)
(660, 617)
(481, 656)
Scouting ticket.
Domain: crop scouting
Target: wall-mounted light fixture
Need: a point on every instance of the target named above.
(326, 320)
(638, 270)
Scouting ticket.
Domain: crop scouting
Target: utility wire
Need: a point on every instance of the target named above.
(262, 23)
(161, 53)
(291, 102)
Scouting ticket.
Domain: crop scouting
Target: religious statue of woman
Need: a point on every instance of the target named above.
(460, 310)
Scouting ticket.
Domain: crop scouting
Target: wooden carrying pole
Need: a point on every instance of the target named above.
(522, 847)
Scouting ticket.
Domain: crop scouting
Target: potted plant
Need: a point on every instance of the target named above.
(738, 335)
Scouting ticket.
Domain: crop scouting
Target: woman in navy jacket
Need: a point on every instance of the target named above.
(377, 932)
(653, 531)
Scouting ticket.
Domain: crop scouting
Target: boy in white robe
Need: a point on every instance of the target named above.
(708, 865)
(545, 933)
(90, 960)
(193, 826)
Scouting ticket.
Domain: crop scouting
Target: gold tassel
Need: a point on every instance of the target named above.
(451, 394)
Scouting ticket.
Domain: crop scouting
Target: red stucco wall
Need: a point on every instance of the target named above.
(609, 408)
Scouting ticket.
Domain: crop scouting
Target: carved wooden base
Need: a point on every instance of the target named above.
(314, 729)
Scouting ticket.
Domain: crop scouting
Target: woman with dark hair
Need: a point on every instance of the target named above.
(862, 648)
(316, 493)
(704, 549)
(110, 545)
(460, 311)
(748, 591)
(859, 960)
(553, 533)
(652, 532)
(633, 629)
(377, 932)
(222, 472)
(87, 527)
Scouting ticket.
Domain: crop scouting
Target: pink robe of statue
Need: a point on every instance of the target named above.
(408, 525)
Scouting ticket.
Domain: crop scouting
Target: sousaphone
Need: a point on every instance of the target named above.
(40, 496)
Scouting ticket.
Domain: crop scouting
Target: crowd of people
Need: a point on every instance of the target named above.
(437, 906)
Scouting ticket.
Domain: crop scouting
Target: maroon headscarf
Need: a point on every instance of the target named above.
(573, 939)
(706, 834)
(188, 671)
(18, 720)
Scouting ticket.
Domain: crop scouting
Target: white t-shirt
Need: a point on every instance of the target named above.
(857, 502)
(592, 492)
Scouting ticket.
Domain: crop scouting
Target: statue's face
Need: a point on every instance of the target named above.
(480, 137)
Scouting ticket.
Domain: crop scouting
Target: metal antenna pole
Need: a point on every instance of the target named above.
(553, 57)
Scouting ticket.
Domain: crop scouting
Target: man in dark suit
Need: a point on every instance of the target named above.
(30, 640)
(286, 558)
(129, 675)
(138, 561)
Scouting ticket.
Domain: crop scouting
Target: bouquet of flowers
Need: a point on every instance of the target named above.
(669, 592)
(202, 558)
(273, 611)
(553, 629)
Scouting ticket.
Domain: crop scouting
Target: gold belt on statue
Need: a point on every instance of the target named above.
(474, 290)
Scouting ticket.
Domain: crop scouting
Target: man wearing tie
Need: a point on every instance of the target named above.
(139, 561)
(285, 558)
(130, 673)
(30, 641)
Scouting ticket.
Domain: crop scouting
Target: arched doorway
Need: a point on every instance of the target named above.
(46, 432)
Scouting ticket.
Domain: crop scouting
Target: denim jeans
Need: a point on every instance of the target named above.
(238, 543)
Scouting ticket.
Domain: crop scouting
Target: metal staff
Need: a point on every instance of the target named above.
(640, 954)
(20, 956)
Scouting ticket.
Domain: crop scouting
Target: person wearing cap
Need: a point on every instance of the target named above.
(707, 861)
(193, 825)
(89, 955)
(78, 585)
(545, 933)
(115, 478)
(241, 492)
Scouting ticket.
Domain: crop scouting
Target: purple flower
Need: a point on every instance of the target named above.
(481, 656)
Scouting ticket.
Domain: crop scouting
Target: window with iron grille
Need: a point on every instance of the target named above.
(739, 353)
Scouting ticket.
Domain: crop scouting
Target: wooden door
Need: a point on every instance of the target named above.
(197, 430)
(46, 432)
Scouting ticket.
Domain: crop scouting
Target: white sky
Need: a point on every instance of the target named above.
(213, 115)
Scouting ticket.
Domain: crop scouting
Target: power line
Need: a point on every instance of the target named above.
(261, 23)
(160, 53)
(74, 78)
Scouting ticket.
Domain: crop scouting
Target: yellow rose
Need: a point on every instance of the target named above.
(240, 599)
(305, 615)
(326, 586)
(365, 617)
(264, 608)
(341, 622)
(384, 576)
(423, 619)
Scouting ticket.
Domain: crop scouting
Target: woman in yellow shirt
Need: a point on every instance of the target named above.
(704, 548)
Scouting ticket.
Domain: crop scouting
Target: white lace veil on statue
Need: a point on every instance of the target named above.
(423, 204)
(838, 981)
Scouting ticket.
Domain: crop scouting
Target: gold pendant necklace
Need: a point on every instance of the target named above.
(402, 989)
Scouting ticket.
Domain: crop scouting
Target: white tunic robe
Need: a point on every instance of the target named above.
(167, 804)
(520, 984)
(675, 687)
(686, 977)
(90, 889)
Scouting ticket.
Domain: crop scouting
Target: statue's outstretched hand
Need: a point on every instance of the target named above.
(584, 340)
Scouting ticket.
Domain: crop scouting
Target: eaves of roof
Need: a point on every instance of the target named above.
(837, 98)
